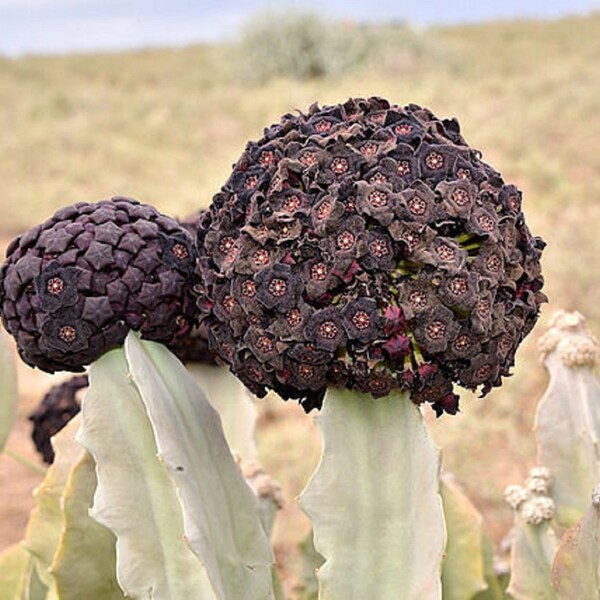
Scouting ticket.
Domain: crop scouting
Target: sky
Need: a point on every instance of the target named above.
(59, 26)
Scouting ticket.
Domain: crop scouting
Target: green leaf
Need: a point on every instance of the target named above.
(46, 519)
(135, 498)
(84, 565)
(230, 398)
(463, 570)
(532, 553)
(14, 564)
(8, 389)
(568, 417)
(575, 568)
(374, 500)
(221, 515)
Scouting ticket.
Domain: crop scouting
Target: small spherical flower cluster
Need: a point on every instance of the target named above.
(74, 286)
(538, 509)
(57, 408)
(367, 246)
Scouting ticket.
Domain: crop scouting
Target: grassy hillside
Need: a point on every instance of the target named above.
(165, 126)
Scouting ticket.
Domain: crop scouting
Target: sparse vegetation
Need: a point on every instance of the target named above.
(300, 45)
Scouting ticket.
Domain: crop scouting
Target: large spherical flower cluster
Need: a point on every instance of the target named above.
(74, 286)
(367, 246)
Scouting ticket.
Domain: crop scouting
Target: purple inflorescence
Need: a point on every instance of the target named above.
(73, 287)
(367, 246)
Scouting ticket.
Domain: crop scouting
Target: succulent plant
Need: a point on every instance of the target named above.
(60, 404)
(367, 246)
(73, 287)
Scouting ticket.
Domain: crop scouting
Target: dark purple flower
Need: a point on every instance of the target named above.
(377, 201)
(57, 286)
(460, 290)
(362, 320)
(418, 295)
(458, 197)
(433, 330)
(380, 251)
(325, 328)
(277, 287)
(418, 204)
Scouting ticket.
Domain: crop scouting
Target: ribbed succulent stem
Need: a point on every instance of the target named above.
(568, 416)
(374, 500)
(233, 403)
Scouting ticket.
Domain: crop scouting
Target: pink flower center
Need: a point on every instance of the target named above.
(339, 165)
(55, 286)
(436, 330)
(277, 287)
(418, 299)
(322, 126)
(306, 371)
(460, 197)
(291, 203)
(266, 158)
(417, 206)
(264, 344)
(379, 248)
(229, 303)
(294, 317)
(445, 252)
(361, 320)
(486, 223)
(369, 149)
(345, 240)
(67, 334)
(180, 252)
(378, 199)
(260, 257)
(328, 330)
(403, 168)
(318, 272)
(251, 182)
(226, 244)
(308, 158)
(462, 343)
(458, 286)
(403, 129)
(434, 160)
(248, 288)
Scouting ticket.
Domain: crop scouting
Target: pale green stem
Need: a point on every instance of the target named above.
(374, 500)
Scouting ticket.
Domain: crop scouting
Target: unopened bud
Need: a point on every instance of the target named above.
(515, 495)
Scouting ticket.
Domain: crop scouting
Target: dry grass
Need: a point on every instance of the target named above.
(165, 126)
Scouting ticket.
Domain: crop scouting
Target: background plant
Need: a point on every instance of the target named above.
(301, 46)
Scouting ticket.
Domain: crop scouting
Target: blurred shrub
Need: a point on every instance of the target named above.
(301, 46)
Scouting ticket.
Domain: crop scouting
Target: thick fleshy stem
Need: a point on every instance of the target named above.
(374, 500)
